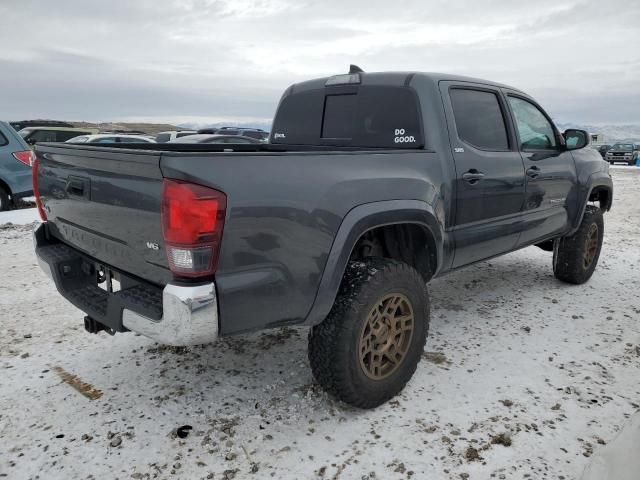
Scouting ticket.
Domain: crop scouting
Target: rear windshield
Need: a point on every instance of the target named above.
(364, 116)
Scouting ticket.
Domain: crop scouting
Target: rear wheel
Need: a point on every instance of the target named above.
(5, 202)
(369, 345)
(575, 257)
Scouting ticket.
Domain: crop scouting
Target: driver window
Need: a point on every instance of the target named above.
(535, 131)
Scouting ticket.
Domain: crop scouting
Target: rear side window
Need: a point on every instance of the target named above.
(163, 137)
(365, 116)
(479, 119)
(63, 136)
(45, 136)
(184, 134)
(3, 140)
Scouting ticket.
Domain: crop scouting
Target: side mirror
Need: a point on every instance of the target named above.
(576, 139)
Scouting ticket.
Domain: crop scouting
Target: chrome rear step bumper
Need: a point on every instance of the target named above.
(174, 315)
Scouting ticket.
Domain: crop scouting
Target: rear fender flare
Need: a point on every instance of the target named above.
(358, 221)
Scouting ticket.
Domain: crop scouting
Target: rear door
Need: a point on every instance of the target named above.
(489, 182)
(551, 194)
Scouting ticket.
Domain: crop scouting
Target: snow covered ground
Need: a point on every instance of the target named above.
(23, 216)
(522, 377)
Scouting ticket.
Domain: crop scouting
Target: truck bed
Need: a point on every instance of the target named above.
(284, 208)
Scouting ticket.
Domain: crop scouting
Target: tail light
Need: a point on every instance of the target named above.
(26, 156)
(36, 191)
(192, 222)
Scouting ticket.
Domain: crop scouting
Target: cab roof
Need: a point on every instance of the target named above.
(395, 79)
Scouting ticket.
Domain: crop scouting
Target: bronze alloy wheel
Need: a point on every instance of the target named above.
(386, 336)
(591, 246)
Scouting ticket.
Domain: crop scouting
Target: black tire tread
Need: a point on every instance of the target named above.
(567, 263)
(329, 339)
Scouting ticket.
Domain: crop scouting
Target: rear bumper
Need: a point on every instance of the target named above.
(189, 316)
(173, 315)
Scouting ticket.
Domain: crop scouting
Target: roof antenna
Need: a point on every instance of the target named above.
(355, 69)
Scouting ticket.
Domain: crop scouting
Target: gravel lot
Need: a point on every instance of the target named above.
(522, 377)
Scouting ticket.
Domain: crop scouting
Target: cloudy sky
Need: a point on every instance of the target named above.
(229, 60)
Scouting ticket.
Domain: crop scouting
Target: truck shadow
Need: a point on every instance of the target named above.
(246, 373)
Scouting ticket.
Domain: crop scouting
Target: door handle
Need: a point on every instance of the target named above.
(533, 172)
(473, 176)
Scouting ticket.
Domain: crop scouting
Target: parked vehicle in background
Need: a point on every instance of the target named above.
(204, 138)
(256, 133)
(129, 132)
(16, 159)
(111, 138)
(622, 152)
(603, 149)
(170, 136)
(19, 125)
(35, 135)
(372, 184)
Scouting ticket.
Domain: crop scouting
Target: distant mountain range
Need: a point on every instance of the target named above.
(612, 133)
(265, 125)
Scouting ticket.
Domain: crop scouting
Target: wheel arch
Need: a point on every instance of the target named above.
(416, 215)
(599, 188)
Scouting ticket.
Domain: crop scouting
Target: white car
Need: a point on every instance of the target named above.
(111, 138)
(170, 136)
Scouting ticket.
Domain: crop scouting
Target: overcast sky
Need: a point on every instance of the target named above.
(229, 60)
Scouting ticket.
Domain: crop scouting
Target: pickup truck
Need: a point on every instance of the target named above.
(622, 152)
(372, 185)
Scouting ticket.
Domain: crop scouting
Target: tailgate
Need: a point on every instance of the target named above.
(106, 203)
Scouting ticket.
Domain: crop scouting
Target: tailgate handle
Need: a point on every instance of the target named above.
(78, 186)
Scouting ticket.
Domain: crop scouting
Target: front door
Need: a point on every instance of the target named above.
(551, 182)
(489, 182)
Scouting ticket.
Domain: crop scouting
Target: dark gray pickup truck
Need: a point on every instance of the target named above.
(372, 184)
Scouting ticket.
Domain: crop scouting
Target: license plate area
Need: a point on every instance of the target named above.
(107, 279)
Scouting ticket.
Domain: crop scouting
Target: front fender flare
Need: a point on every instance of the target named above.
(358, 221)
(596, 180)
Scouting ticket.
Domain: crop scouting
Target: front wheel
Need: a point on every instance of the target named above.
(575, 257)
(369, 346)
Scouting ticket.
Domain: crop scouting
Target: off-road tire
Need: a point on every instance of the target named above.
(5, 202)
(569, 264)
(334, 344)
